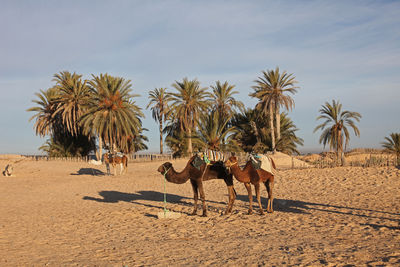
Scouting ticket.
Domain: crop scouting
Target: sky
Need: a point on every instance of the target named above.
(338, 50)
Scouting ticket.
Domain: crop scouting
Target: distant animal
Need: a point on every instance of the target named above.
(8, 170)
(249, 175)
(114, 159)
(215, 170)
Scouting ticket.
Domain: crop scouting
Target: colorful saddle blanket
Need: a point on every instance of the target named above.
(207, 157)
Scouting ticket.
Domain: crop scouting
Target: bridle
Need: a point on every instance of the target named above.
(166, 171)
(230, 164)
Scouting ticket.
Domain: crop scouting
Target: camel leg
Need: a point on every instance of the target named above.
(269, 187)
(203, 198)
(248, 187)
(231, 192)
(195, 195)
(232, 197)
(125, 167)
(108, 169)
(257, 187)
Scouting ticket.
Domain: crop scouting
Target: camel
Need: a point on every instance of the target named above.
(215, 170)
(113, 159)
(248, 175)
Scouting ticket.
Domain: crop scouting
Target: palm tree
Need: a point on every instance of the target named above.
(253, 133)
(188, 103)
(45, 121)
(223, 101)
(334, 128)
(289, 140)
(135, 143)
(72, 98)
(175, 138)
(65, 135)
(159, 100)
(112, 114)
(270, 90)
(392, 144)
(214, 134)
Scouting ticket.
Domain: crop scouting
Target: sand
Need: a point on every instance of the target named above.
(68, 213)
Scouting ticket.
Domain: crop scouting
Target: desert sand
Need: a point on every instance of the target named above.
(69, 213)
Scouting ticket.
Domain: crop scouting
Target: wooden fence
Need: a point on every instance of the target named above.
(131, 157)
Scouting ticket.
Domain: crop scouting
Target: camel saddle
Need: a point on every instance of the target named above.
(208, 156)
(262, 162)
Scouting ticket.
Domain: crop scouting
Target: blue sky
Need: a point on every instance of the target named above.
(343, 50)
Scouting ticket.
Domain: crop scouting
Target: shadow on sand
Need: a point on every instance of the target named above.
(280, 205)
(297, 206)
(157, 197)
(115, 197)
(89, 171)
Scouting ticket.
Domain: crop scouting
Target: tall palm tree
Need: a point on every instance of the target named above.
(66, 137)
(159, 100)
(111, 113)
(188, 103)
(73, 96)
(334, 128)
(271, 91)
(45, 121)
(213, 132)
(223, 101)
(392, 144)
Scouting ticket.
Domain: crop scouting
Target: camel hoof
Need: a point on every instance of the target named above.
(193, 213)
(261, 212)
(250, 212)
(204, 215)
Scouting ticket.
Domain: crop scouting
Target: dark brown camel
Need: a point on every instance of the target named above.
(215, 170)
(248, 176)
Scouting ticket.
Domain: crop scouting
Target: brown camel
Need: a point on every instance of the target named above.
(248, 176)
(215, 170)
(114, 159)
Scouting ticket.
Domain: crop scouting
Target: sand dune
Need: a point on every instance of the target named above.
(70, 213)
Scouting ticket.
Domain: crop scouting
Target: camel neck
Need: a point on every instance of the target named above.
(240, 175)
(175, 177)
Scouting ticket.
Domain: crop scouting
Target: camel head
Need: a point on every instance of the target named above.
(230, 162)
(164, 168)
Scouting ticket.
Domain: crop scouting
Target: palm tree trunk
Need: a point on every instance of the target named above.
(190, 148)
(271, 124)
(100, 148)
(161, 137)
(338, 149)
(278, 123)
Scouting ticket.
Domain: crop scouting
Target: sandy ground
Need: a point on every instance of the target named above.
(69, 213)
